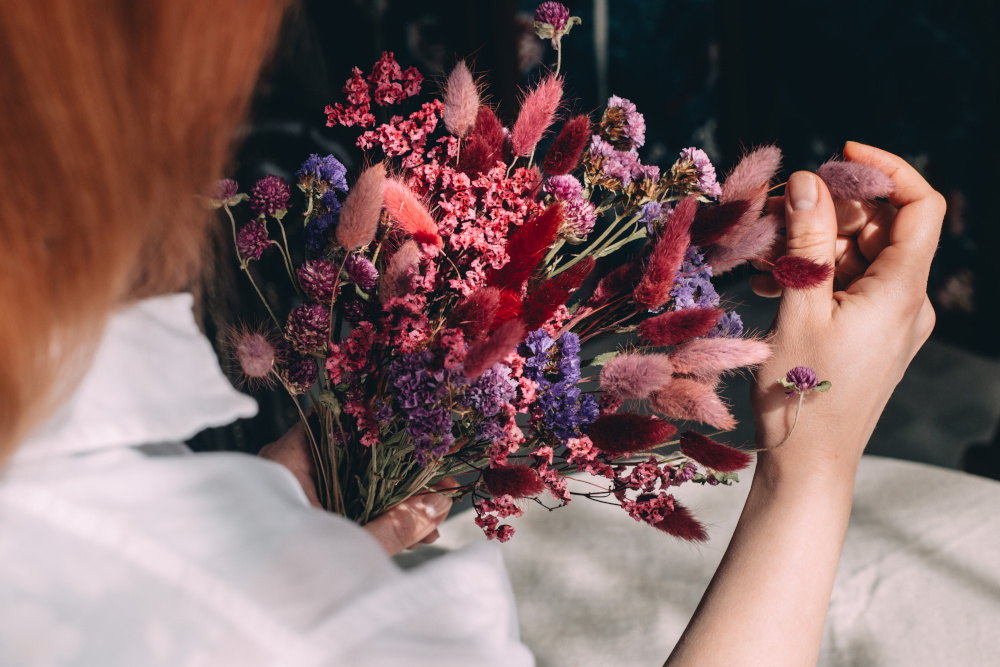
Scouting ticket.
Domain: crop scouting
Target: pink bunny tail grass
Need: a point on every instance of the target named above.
(536, 115)
(551, 294)
(657, 280)
(636, 376)
(756, 169)
(712, 454)
(681, 524)
(854, 180)
(678, 326)
(488, 351)
(564, 153)
(692, 400)
(483, 148)
(461, 101)
(475, 313)
(626, 433)
(410, 214)
(527, 247)
(706, 358)
(622, 279)
(800, 272)
(516, 481)
(397, 279)
(714, 222)
(757, 242)
(362, 209)
(255, 353)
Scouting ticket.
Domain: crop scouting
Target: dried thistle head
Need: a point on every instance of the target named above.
(253, 351)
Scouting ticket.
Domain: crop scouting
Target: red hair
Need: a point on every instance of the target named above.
(114, 114)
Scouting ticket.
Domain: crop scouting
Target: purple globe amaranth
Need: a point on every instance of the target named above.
(803, 377)
(318, 277)
(222, 193)
(361, 271)
(556, 14)
(298, 371)
(270, 195)
(252, 240)
(308, 327)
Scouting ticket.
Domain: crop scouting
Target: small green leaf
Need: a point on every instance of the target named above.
(278, 215)
(601, 359)
(786, 384)
(237, 198)
(329, 401)
(545, 30)
(823, 386)
(573, 20)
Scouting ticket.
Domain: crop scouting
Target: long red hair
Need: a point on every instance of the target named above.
(113, 114)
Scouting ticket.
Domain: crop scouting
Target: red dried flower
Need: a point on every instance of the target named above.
(626, 433)
(544, 301)
(713, 222)
(475, 313)
(564, 153)
(483, 148)
(800, 272)
(678, 326)
(712, 454)
(658, 279)
(622, 279)
(682, 524)
(527, 247)
(483, 354)
(410, 214)
(516, 481)
(308, 327)
(510, 307)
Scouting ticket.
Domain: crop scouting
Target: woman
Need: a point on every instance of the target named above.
(116, 550)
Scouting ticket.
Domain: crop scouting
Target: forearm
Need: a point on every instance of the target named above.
(767, 603)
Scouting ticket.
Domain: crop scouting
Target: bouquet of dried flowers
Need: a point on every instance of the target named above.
(448, 293)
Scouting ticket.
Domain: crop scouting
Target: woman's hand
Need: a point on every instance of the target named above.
(767, 603)
(412, 522)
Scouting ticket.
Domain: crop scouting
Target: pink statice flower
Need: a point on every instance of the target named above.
(579, 215)
(616, 167)
(622, 124)
(707, 182)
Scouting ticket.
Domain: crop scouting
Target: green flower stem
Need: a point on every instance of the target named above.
(798, 408)
(634, 236)
(244, 266)
(552, 253)
(596, 246)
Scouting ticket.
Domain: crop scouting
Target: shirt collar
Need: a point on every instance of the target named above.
(154, 378)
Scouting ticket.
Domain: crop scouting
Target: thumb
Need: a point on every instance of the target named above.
(811, 223)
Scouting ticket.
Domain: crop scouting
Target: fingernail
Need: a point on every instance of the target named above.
(436, 504)
(802, 191)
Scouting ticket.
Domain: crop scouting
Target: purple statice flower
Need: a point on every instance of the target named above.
(706, 171)
(330, 201)
(308, 327)
(694, 287)
(422, 400)
(299, 371)
(556, 14)
(317, 231)
(730, 325)
(654, 214)
(579, 215)
(270, 195)
(623, 166)
(635, 125)
(252, 240)
(328, 169)
(563, 410)
(802, 377)
(486, 395)
(361, 271)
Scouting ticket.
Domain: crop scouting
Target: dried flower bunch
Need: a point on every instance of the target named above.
(447, 296)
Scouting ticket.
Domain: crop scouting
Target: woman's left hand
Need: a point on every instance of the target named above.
(412, 522)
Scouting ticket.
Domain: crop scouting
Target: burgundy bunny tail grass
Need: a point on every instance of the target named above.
(757, 242)
(483, 148)
(622, 279)
(692, 400)
(461, 101)
(397, 278)
(681, 524)
(410, 214)
(527, 247)
(516, 481)
(564, 153)
(756, 169)
(475, 313)
(714, 222)
(626, 433)
(551, 294)
(712, 454)
(362, 209)
(706, 358)
(855, 180)
(658, 279)
(482, 354)
(678, 326)
(800, 272)
(537, 111)
(636, 376)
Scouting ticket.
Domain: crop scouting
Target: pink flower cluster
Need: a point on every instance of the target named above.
(387, 84)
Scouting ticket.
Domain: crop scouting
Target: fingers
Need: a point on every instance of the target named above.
(411, 522)
(811, 224)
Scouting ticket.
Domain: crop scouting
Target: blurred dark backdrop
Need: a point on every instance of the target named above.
(917, 78)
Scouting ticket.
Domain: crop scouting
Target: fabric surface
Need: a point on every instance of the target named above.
(918, 584)
(120, 547)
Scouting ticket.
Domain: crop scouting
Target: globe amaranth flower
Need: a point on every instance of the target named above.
(361, 271)
(298, 371)
(579, 215)
(327, 169)
(308, 327)
(694, 288)
(252, 240)
(224, 193)
(622, 125)
(270, 195)
(318, 278)
(552, 21)
(562, 409)
(697, 161)
(802, 377)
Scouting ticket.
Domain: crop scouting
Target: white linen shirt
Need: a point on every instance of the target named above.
(120, 547)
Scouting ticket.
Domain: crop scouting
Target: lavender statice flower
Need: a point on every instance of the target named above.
(707, 182)
(252, 240)
(623, 125)
(486, 396)
(361, 271)
(694, 287)
(654, 214)
(622, 166)
(327, 169)
(270, 195)
(579, 215)
(564, 411)
(730, 325)
(317, 231)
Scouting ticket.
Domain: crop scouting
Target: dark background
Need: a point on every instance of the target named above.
(916, 78)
